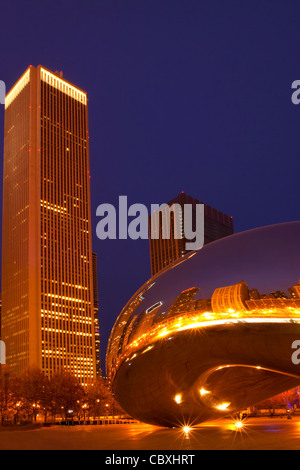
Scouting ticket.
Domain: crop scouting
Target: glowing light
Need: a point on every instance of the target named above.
(223, 406)
(178, 398)
(163, 333)
(63, 86)
(203, 392)
(14, 92)
(186, 429)
(53, 207)
(148, 349)
(239, 424)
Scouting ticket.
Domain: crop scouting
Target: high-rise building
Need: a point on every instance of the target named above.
(96, 319)
(295, 291)
(230, 298)
(163, 251)
(47, 266)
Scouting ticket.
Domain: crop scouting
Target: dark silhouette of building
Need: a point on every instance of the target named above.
(164, 251)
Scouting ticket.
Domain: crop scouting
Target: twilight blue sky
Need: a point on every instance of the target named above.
(183, 95)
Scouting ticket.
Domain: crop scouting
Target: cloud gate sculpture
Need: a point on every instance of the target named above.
(213, 333)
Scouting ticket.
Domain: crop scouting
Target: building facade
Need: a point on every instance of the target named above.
(96, 315)
(164, 251)
(230, 298)
(47, 265)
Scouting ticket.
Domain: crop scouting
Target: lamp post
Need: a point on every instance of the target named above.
(84, 407)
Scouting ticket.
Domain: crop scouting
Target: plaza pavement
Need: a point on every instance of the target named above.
(256, 434)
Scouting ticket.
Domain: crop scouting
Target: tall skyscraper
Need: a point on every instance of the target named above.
(96, 319)
(47, 266)
(164, 251)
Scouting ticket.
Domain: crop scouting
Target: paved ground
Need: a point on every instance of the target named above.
(256, 434)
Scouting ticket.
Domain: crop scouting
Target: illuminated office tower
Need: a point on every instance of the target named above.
(47, 266)
(96, 319)
(230, 298)
(163, 251)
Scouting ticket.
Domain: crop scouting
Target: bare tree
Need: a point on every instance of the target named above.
(65, 395)
(100, 401)
(8, 399)
(32, 393)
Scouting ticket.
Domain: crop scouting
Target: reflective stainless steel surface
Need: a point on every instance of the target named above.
(244, 281)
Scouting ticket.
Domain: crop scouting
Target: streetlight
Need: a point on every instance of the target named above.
(84, 407)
